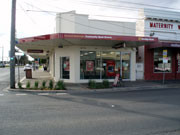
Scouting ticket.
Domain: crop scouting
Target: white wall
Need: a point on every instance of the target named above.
(160, 17)
(65, 22)
(74, 53)
(71, 22)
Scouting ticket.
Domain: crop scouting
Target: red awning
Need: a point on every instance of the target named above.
(88, 37)
(165, 45)
(46, 43)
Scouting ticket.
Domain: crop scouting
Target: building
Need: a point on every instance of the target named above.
(163, 56)
(84, 49)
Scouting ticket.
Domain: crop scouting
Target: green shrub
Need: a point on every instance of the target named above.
(28, 85)
(43, 84)
(36, 84)
(60, 85)
(20, 85)
(105, 83)
(92, 84)
(99, 86)
(51, 84)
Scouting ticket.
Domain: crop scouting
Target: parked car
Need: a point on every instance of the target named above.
(27, 66)
(2, 65)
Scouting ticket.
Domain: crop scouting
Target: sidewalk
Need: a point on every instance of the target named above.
(40, 75)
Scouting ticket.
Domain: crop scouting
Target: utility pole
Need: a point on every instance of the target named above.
(12, 52)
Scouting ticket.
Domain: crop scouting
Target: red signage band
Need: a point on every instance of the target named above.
(161, 25)
(179, 27)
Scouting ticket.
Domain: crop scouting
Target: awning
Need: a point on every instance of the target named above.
(165, 45)
(42, 45)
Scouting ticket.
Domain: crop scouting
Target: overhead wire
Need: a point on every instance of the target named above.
(149, 5)
(91, 26)
(26, 13)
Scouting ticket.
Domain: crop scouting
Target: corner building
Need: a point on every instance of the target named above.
(83, 49)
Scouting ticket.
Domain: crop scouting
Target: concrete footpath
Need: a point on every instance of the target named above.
(40, 75)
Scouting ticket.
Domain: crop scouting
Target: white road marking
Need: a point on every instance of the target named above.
(1, 94)
(42, 94)
(112, 105)
(61, 93)
(21, 94)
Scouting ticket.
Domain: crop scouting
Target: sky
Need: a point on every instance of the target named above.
(37, 17)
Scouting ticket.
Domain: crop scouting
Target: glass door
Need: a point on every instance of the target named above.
(64, 68)
(125, 63)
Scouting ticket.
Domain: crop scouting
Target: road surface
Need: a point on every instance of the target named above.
(150, 112)
(5, 77)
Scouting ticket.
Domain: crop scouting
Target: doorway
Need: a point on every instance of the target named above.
(64, 68)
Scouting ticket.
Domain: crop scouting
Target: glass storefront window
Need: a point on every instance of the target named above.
(158, 61)
(89, 65)
(110, 64)
(104, 65)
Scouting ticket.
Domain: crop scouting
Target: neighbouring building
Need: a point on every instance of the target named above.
(162, 56)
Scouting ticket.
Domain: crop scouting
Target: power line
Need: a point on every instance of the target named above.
(91, 26)
(149, 5)
(26, 13)
(133, 3)
(120, 7)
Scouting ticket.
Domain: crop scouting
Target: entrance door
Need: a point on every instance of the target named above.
(125, 60)
(64, 68)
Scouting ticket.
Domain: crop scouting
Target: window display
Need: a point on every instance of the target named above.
(104, 65)
(159, 66)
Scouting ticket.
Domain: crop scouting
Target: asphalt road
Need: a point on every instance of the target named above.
(5, 77)
(151, 112)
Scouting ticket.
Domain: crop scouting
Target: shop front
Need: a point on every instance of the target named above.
(105, 64)
(162, 57)
(77, 58)
(157, 62)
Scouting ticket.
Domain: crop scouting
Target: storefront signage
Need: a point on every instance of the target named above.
(165, 58)
(145, 39)
(98, 37)
(175, 45)
(161, 25)
(89, 66)
(34, 51)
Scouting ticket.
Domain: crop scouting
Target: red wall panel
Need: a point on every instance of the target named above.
(149, 66)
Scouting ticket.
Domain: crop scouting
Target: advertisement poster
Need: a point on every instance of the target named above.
(110, 68)
(66, 66)
(89, 66)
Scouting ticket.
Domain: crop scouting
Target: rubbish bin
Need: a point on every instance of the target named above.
(28, 73)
